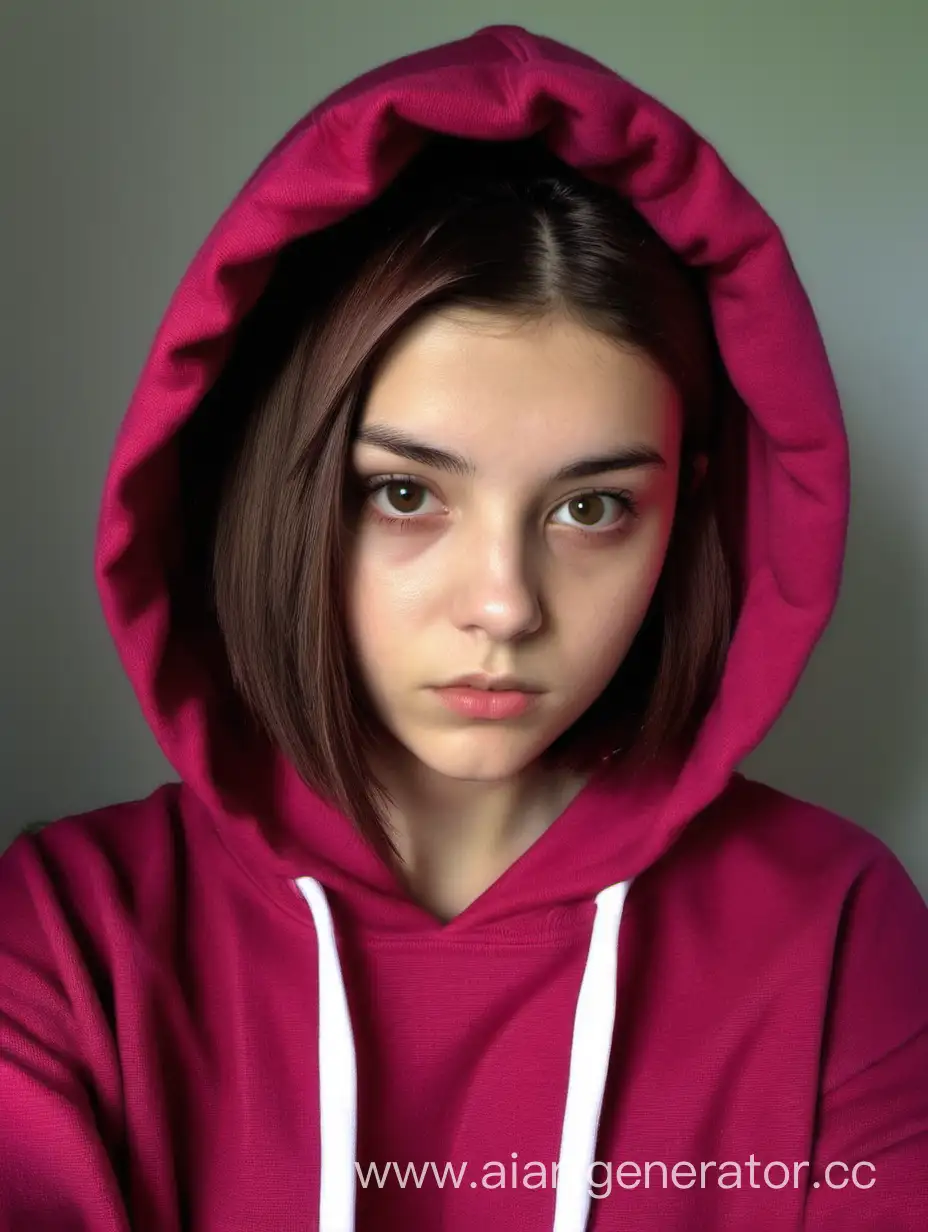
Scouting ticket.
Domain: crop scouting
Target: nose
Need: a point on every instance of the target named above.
(496, 586)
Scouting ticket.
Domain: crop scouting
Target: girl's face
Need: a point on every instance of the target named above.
(493, 562)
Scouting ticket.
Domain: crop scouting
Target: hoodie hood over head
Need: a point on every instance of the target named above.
(502, 82)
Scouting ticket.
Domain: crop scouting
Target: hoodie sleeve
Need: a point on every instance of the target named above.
(873, 1108)
(59, 1080)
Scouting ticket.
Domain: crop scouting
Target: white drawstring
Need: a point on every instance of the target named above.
(338, 1079)
(589, 1064)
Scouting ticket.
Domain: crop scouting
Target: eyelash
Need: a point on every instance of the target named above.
(402, 523)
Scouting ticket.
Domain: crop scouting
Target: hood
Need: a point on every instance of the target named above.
(502, 82)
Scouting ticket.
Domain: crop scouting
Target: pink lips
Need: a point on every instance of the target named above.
(476, 703)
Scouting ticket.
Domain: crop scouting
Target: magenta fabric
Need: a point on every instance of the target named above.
(158, 966)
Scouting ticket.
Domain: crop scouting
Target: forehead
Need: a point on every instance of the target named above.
(482, 383)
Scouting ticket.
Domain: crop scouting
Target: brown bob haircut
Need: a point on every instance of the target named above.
(505, 227)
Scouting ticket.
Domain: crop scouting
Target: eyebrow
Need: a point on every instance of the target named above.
(631, 457)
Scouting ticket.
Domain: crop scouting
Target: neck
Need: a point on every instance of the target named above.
(457, 836)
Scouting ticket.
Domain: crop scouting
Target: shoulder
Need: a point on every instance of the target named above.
(127, 830)
(780, 836)
(794, 890)
(81, 875)
(876, 923)
(786, 872)
(822, 874)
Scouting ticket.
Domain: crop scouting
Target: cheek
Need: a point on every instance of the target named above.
(602, 625)
(382, 604)
(378, 585)
(392, 572)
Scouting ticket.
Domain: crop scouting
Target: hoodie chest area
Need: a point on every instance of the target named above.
(460, 1042)
(470, 1046)
(463, 1053)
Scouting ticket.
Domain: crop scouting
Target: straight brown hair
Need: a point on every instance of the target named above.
(505, 227)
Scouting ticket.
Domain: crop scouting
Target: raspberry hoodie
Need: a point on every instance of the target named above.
(216, 1001)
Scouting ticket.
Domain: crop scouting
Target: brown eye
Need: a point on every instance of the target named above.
(588, 509)
(404, 497)
(585, 512)
(399, 498)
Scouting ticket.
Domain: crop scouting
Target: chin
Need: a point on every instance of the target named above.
(486, 755)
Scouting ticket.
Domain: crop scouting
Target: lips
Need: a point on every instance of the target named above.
(494, 684)
(484, 703)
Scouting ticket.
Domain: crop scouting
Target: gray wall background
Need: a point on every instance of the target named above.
(127, 127)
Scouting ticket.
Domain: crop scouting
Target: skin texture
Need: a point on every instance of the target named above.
(493, 571)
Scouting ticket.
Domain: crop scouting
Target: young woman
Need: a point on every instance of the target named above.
(479, 506)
